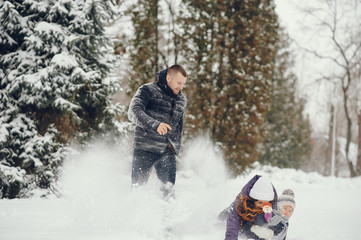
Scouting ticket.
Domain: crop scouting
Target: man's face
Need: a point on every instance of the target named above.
(176, 82)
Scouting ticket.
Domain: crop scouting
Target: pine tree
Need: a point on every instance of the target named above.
(54, 86)
(199, 52)
(288, 140)
(230, 49)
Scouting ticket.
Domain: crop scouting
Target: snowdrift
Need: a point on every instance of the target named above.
(98, 203)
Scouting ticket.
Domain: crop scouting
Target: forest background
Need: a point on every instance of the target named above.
(69, 68)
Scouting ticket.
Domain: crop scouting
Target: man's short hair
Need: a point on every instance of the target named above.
(177, 68)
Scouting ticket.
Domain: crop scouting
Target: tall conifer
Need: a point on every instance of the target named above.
(54, 85)
(230, 49)
(288, 138)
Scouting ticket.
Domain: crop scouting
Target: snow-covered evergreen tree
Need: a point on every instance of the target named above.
(54, 85)
(288, 138)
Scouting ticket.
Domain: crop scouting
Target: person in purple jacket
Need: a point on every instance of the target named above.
(248, 205)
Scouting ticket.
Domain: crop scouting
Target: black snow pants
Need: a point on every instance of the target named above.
(164, 164)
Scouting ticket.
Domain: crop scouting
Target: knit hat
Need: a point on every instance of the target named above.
(262, 190)
(286, 199)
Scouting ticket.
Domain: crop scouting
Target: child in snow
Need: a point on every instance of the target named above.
(278, 224)
(248, 204)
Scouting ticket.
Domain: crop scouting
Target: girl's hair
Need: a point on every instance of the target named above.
(246, 209)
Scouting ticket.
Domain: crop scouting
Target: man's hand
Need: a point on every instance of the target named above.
(163, 128)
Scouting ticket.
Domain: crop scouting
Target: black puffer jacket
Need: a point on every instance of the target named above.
(152, 104)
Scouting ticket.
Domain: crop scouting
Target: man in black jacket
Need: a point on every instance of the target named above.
(157, 109)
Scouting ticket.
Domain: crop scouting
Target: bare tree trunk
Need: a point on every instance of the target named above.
(348, 135)
(358, 166)
(156, 35)
(330, 141)
(173, 30)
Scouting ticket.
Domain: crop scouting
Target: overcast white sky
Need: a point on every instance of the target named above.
(303, 29)
(291, 17)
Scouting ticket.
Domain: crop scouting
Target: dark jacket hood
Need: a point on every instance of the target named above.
(162, 82)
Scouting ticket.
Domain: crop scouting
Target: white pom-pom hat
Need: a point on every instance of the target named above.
(286, 199)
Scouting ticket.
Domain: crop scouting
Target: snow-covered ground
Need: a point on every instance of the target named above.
(98, 203)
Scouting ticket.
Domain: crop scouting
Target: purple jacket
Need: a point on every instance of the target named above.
(234, 220)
